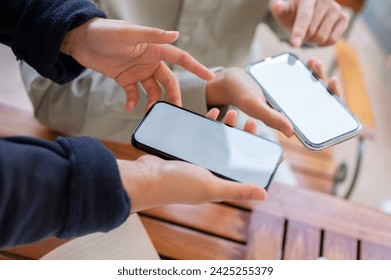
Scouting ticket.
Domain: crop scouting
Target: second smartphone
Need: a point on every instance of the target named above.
(171, 132)
(320, 119)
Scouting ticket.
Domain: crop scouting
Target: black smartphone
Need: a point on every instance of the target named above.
(172, 132)
(320, 119)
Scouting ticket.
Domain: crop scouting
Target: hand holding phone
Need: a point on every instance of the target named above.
(172, 132)
(319, 117)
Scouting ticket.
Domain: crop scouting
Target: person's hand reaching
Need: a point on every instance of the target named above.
(322, 22)
(130, 54)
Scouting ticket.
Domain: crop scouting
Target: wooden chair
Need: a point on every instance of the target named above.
(294, 223)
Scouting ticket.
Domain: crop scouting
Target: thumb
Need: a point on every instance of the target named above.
(155, 35)
(229, 190)
(279, 8)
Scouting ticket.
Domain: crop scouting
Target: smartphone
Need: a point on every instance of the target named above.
(320, 119)
(172, 132)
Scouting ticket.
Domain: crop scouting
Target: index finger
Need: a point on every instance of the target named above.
(260, 110)
(305, 12)
(180, 57)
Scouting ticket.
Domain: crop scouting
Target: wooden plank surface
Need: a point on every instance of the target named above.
(339, 247)
(314, 183)
(175, 242)
(329, 213)
(265, 240)
(311, 164)
(302, 242)
(313, 170)
(373, 251)
(19, 122)
(355, 90)
(34, 251)
(217, 219)
(355, 5)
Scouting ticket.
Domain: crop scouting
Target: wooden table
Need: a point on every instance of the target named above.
(294, 223)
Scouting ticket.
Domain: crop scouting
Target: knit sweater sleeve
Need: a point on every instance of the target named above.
(35, 31)
(65, 188)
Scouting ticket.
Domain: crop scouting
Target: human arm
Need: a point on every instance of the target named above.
(58, 37)
(65, 188)
(321, 22)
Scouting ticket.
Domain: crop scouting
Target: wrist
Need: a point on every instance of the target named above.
(215, 91)
(75, 37)
(140, 183)
(129, 171)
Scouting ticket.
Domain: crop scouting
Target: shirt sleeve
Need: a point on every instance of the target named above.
(65, 188)
(35, 31)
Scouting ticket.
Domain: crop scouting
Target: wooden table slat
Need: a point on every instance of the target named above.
(294, 144)
(36, 250)
(339, 247)
(314, 183)
(266, 234)
(214, 218)
(311, 165)
(177, 242)
(373, 251)
(302, 242)
(329, 213)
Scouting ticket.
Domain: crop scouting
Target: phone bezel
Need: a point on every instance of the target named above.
(307, 143)
(163, 155)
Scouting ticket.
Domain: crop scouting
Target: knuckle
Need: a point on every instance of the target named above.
(344, 17)
(320, 38)
(335, 7)
(241, 194)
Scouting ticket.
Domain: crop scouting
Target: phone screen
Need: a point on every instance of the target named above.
(294, 90)
(226, 151)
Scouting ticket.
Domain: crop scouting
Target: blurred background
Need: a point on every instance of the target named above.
(370, 34)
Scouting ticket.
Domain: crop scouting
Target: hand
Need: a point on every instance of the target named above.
(131, 53)
(152, 182)
(322, 22)
(332, 83)
(233, 86)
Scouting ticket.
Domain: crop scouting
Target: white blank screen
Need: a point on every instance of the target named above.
(227, 151)
(303, 98)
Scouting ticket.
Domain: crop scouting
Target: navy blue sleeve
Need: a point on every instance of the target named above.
(65, 188)
(35, 29)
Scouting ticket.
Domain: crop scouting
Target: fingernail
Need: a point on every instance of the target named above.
(172, 32)
(296, 41)
(129, 106)
(260, 195)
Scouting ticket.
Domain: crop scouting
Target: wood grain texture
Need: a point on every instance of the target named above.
(175, 242)
(329, 213)
(265, 241)
(339, 247)
(302, 242)
(34, 251)
(355, 5)
(355, 89)
(374, 251)
(217, 219)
